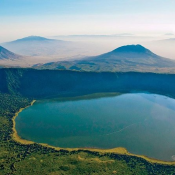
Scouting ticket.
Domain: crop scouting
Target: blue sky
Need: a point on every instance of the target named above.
(54, 17)
(43, 7)
(83, 7)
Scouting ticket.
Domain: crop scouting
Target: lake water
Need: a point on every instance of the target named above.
(142, 123)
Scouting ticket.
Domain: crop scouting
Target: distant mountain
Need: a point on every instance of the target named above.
(54, 49)
(127, 53)
(38, 49)
(8, 55)
(31, 38)
(165, 41)
(36, 46)
(125, 58)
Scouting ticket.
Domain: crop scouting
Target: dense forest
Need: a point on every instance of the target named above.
(55, 83)
(17, 158)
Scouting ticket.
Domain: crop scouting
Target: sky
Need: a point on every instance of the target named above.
(20, 18)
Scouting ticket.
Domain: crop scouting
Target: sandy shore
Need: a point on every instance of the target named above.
(15, 135)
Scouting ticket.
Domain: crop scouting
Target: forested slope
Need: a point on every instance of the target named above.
(56, 83)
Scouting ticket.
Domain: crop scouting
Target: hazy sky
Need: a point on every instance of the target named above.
(19, 18)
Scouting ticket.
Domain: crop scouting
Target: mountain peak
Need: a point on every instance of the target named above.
(32, 38)
(132, 48)
(35, 38)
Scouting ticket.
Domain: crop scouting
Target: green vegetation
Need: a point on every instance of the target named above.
(18, 87)
(16, 158)
(39, 84)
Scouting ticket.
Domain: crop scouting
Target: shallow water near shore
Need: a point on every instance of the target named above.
(142, 123)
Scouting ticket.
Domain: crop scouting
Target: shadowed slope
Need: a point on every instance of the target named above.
(6, 54)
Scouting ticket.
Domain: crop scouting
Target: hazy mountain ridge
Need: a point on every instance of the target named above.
(36, 46)
(42, 50)
(167, 40)
(57, 54)
(125, 58)
(31, 38)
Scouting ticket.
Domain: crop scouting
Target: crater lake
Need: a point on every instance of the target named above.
(143, 123)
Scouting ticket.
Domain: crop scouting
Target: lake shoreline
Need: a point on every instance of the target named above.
(82, 97)
(15, 135)
(119, 150)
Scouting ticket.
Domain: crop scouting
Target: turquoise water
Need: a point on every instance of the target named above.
(142, 123)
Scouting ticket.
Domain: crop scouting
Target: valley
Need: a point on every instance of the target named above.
(32, 84)
(87, 87)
